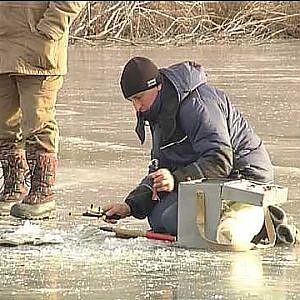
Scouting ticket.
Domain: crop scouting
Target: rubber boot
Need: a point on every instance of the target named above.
(40, 202)
(14, 170)
(286, 232)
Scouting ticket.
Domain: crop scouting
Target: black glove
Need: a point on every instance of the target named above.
(140, 201)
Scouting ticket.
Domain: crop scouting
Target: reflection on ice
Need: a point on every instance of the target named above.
(247, 271)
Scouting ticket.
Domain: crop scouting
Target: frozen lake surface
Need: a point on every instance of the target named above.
(101, 160)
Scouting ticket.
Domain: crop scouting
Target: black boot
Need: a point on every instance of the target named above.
(14, 169)
(40, 202)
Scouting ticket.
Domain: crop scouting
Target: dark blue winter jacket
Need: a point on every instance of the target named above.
(197, 132)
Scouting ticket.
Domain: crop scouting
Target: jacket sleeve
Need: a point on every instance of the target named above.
(140, 200)
(58, 18)
(206, 126)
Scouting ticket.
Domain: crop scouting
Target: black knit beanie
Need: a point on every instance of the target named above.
(139, 74)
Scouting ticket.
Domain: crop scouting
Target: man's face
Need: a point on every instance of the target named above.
(142, 101)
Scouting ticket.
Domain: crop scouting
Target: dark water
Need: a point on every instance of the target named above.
(101, 160)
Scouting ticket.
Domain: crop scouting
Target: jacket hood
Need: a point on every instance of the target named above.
(185, 76)
(181, 79)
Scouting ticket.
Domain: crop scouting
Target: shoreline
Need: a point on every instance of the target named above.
(76, 41)
(187, 22)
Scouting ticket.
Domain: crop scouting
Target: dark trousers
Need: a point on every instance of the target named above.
(164, 215)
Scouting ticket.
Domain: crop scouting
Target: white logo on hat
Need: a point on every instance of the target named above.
(151, 82)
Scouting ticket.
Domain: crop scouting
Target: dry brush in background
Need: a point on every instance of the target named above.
(186, 22)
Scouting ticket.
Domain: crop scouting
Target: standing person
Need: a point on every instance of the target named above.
(196, 133)
(33, 59)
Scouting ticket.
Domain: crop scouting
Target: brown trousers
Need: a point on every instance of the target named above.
(27, 112)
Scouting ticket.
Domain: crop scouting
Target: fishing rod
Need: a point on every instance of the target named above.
(129, 233)
(135, 233)
(123, 232)
(97, 213)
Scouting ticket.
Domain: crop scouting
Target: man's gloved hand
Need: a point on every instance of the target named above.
(118, 208)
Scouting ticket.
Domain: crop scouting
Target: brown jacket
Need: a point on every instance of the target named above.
(34, 36)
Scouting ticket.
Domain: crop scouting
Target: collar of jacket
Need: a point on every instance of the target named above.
(179, 81)
(167, 118)
(167, 114)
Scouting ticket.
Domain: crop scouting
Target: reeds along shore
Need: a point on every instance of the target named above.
(186, 22)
